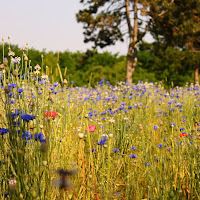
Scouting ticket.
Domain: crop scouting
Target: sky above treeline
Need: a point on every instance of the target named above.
(47, 24)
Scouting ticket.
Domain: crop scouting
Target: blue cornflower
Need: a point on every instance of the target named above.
(16, 123)
(133, 156)
(103, 113)
(159, 145)
(155, 127)
(3, 131)
(27, 117)
(123, 104)
(168, 149)
(72, 82)
(173, 124)
(130, 107)
(116, 150)
(42, 140)
(27, 136)
(170, 102)
(15, 114)
(148, 164)
(12, 101)
(20, 90)
(10, 94)
(14, 85)
(102, 141)
(39, 136)
(6, 195)
(55, 84)
(94, 150)
(181, 129)
(133, 148)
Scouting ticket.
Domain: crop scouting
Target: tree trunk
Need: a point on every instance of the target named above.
(132, 59)
(129, 64)
(196, 76)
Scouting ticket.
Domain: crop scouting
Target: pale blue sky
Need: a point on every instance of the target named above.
(49, 24)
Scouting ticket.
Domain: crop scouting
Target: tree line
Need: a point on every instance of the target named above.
(170, 65)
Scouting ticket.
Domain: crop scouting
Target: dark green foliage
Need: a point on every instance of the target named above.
(156, 64)
(178, 27)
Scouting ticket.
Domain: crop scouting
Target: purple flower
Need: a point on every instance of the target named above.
(133, 156)
(148, 164)
(133, 148)
(159, 145)
(116, 150)
(173, 124)
(155, 127)
(20, 90)
(27, 136)
(102, 141)
(55, 84)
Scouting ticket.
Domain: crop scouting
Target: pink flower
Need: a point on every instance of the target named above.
(91, 128)
(51, 114)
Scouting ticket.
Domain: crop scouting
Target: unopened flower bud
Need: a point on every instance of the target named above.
(44, 163)
(12, 183)
(7, 89)
(43, 147)
(25, 57)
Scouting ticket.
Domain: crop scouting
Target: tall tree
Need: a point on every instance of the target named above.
(178, 27)
(107, 21)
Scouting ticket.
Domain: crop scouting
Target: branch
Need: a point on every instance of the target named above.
(144, 33)
(162, 13)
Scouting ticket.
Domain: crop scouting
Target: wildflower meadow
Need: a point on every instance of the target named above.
(124, 141)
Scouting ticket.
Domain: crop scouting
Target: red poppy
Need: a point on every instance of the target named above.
(51, 114)
(183, 134)
(91, 128)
